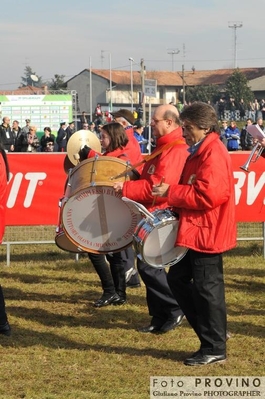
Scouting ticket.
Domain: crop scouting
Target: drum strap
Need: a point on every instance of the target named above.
(134, 171)
(149, 157)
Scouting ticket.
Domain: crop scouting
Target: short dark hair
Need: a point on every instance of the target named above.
(48, 128)
(201, 115)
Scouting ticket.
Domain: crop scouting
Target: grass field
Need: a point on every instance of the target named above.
(62, 347)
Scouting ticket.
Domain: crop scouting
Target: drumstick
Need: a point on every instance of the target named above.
(159, 185)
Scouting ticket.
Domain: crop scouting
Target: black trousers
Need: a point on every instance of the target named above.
(3, 316)
(198, 285)
(161, 303)
(112, 276)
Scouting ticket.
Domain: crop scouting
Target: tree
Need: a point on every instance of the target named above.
(203, 93)
(237, 88)
(27, 78)
(57, 82)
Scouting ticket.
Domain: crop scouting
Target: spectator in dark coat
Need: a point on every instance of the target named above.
(61, 138)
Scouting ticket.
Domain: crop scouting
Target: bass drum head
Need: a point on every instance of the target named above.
(98, 221)
(158, 248)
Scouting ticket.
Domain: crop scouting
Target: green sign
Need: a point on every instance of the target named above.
(42, 110)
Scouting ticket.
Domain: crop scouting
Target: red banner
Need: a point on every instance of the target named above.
(249, 188)
(37, 183)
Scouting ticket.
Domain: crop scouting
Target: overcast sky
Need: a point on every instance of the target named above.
(62, 36)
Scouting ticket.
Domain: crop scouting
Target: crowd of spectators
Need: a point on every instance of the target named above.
(16, 139)
(232, 110)
(25, 139)
(238, 139)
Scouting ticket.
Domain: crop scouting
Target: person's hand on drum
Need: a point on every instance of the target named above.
(83, 153)
(160, 189)
(118, 186)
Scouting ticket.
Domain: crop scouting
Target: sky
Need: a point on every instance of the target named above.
(65, 37)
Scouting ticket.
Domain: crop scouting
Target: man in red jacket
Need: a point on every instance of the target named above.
(167, 165)
(204, 199)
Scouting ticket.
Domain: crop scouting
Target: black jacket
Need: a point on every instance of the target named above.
(6, 137)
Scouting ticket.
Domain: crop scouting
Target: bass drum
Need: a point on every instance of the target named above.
(154, 239)
(94, 217)
(61, 240)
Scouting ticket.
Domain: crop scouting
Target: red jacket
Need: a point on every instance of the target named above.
(3, 196)
(130, 153)
(205, 199)
(167, 165)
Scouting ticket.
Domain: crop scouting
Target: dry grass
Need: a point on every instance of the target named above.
(61, 347)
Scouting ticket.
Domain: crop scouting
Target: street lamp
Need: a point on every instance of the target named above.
(131, 61)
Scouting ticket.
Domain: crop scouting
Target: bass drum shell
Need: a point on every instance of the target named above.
(61, 240)
(97, 171)
(154, 240)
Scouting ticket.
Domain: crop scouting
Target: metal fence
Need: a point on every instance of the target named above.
(24, 235)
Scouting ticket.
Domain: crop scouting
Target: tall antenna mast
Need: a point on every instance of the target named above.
(173, 51)
(235, 25)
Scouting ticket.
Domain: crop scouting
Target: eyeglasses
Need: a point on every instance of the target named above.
(157, 120)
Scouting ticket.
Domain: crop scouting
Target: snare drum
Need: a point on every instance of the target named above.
(94, 217)
(154, 239)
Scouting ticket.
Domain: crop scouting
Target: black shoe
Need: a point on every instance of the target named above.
(119, 301)
(5, 329)
(200, 359)
(171, 324)
(105, 301)
(149, 329)
(128, 285)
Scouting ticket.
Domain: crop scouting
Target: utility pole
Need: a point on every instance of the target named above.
(90, 90)
(102, 58)
(183, 85)
(131, 61)
(235, 25)
(143, 88)
(110, 76)
(173, 51)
